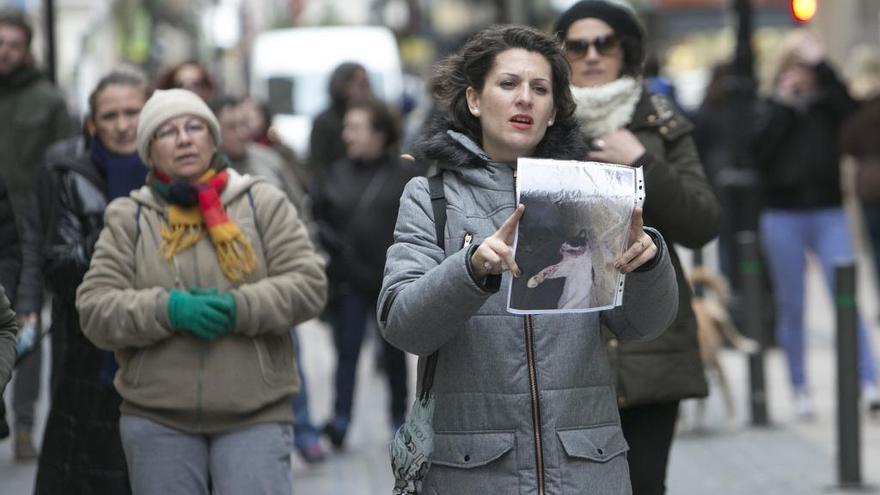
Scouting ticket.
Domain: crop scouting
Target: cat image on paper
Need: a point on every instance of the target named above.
(576, 268)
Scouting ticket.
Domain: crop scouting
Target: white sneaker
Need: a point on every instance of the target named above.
(803, 405)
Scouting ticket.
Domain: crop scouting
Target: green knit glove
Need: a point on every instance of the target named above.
(205, 315)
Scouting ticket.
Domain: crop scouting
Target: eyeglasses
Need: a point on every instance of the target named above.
(604, 45)
(170, 132)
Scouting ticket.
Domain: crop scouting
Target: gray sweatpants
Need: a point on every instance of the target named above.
(162, 460)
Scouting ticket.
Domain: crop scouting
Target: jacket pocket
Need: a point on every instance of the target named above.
(594, 460)
(468, 463)
(275, 354)
(130, 363)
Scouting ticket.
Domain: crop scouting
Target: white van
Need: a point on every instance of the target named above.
(290, 69)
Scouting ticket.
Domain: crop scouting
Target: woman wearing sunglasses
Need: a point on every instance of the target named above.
(624, 123)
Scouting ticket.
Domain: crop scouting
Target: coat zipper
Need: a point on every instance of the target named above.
(536, 404)
(533, 386)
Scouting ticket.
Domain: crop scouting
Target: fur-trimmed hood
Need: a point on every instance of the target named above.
(451, 149)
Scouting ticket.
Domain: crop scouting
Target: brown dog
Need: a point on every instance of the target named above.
(714, 326)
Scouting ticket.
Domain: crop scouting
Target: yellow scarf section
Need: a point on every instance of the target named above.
(186, 227)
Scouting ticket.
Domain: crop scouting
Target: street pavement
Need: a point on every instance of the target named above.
(788, 457)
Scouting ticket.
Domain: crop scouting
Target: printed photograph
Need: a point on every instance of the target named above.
(575, 223)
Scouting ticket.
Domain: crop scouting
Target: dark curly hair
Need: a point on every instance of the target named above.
(470, 66)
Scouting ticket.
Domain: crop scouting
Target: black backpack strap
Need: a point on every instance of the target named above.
(438, 203)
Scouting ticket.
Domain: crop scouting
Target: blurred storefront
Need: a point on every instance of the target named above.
(93, 36)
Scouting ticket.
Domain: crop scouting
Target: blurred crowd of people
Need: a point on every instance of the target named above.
(182, 243)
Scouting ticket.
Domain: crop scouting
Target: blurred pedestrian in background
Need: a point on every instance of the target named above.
(522, 403)
(196, 280)
(189, 75)
(355, 202)
(36, 116)
(82, 451)
(259, 120)
(859, 140)
(626, 123)
(348, 82)
(714, 128)
(248, 156)
(10, 266)
(797, 149)
(8, 331)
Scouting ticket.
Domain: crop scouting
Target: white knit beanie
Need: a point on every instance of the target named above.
(168, 104)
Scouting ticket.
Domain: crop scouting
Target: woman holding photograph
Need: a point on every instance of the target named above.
(510, 391)
(626, 124)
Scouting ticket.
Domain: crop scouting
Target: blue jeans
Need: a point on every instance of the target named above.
(304, 432)
(786, 236)
(163, 460)
(353, 310)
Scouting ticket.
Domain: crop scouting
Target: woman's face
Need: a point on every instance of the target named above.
(601, 62)
(193, 78)
(115, 121)
(516, 104)
(362, 141)
(182, 148)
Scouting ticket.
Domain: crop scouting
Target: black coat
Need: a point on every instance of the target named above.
(325, 141)
(680, 204)
(82, 451)
(798, 149)
(354, 204)
(10, 250)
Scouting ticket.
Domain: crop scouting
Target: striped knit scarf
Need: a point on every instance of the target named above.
(194, 206)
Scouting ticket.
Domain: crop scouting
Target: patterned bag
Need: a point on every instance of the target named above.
(413, 442)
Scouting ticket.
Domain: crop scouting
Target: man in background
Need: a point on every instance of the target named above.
(35, 116)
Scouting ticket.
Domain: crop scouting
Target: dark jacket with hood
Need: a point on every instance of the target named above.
(82, 450)
(680, 203)
(797, 148)
(35, 116)
(524, 404)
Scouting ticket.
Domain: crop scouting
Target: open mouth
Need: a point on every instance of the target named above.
(521, 121)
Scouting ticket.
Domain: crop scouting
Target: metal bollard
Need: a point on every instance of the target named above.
(848, 445)
(750, 275)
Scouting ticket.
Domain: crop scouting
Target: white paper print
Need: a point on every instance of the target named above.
(575, 224)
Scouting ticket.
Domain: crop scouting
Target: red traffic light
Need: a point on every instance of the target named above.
(803, 10)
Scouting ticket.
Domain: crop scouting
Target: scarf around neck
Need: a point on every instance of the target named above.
(191, 208)
(602, 109)
(123, 173)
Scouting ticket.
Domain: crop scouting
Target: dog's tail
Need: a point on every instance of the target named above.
(702, 276)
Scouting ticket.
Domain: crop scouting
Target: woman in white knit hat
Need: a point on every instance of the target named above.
(195, 283)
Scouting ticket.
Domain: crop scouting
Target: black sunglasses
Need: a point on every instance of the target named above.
(604, 45)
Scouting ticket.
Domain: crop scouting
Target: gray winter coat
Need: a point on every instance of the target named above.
(524, 404)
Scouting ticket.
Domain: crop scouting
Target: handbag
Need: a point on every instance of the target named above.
(413, 442)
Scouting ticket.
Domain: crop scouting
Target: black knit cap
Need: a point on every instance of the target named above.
(621, 18)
